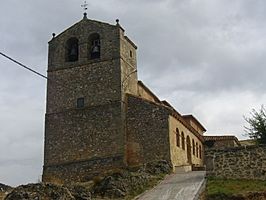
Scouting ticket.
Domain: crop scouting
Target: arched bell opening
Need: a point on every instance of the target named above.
(94, 47)
(72, 50)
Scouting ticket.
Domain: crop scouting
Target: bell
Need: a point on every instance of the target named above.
(95, 49)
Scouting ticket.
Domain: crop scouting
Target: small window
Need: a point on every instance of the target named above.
(80, 102)
(130, 53)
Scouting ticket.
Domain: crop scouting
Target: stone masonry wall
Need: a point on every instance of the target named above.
(82, 141)
(109, 37)
(99, 84)
(237, 163)
(128, 60)
(81, 171)
(222, 144)
(97, 80)
(80, 134)
(143, 93)
(147, 131)
(80, 137)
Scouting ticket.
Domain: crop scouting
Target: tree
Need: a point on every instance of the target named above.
(257, 125)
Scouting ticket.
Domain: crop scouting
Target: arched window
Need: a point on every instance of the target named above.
(94, 46)
(200, 155)
(177, 138)
(193, 147)
(183, 140)
(189, 157)
(197, 149)
(72, 50)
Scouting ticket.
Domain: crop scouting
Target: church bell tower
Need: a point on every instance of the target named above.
(91, 66)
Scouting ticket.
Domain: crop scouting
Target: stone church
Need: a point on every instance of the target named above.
(99, 116)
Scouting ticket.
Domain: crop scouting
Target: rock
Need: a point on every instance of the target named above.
(40, 191)
(157, 167)
(4, 188)
(124, 183)
(111, 186)
(118, 184)
(80, 192)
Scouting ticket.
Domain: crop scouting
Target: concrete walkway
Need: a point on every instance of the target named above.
(181, 186)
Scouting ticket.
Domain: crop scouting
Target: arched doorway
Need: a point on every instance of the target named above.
(189, 159)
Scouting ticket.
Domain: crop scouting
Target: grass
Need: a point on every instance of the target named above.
(216, 186)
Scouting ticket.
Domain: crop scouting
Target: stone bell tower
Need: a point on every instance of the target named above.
(91, 66)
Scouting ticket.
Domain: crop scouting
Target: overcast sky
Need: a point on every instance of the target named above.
(205, 57)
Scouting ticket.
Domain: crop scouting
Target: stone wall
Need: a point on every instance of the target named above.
(147, 131)
(81, 171)
(128, 60)
(146, 93)
(109, 37)
(223, 143)
(82, 135)
(87, 139)
(151, 135)
(98, 83)
(218, 142)
(237, 163)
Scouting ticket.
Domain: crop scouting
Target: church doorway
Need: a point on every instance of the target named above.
(189, 158)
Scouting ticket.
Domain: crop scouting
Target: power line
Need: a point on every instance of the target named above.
(24, 66)
(52, 81)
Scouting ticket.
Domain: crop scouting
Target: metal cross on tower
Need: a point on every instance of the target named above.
(85, 6)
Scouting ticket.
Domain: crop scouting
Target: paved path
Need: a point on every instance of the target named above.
(181, 186)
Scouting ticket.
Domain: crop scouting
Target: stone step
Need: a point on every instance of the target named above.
(198, 168)
(183, 168)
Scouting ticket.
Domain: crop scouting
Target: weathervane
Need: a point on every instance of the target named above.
(85, 8)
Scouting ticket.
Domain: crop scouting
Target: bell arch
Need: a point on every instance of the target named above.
(94, 46)
(72, 50)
